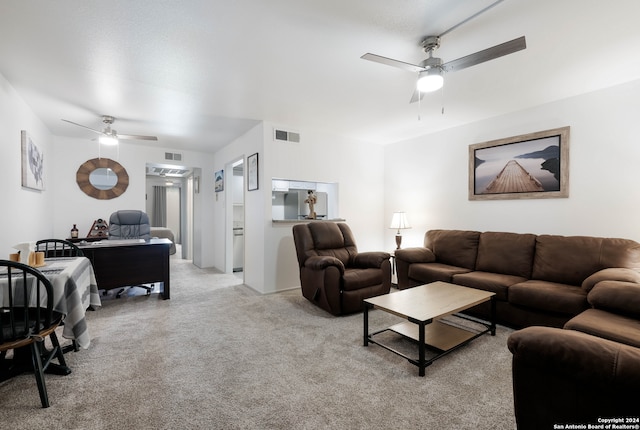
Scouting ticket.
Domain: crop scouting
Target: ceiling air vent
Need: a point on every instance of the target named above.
(172, 156)
(286, 136)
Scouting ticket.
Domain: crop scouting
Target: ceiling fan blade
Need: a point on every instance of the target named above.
(84, 126)
(391, 62)
(135, 137)
(494, 52)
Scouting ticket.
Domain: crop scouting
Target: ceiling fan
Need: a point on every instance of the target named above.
(109, 136)
(431, 70)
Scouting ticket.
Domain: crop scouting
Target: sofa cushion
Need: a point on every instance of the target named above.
(572, 259)
(618, 297)
(454, 247)
(549, 297)
(494, 282)
(507, 253)
(332, 239)
(431, 272)
(611, 274)
(607, 325)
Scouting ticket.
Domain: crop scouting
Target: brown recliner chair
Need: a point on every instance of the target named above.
(333, 275)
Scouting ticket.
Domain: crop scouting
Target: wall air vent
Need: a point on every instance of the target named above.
(286, 136)
(172, 156)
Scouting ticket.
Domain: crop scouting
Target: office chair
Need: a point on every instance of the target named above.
(130, 224)
(26, 323)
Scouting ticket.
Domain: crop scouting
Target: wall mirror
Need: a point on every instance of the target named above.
(102, 178)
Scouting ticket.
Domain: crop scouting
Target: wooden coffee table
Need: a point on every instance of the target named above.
(423, 307)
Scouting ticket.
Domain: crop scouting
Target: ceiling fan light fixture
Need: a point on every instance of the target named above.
(430, 80)
(108, 140)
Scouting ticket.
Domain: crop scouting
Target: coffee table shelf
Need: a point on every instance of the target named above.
(438, 335)
(423, 307)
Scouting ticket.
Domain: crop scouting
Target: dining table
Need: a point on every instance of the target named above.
(74, 291)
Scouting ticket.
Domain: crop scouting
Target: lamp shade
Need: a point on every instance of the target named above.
(399, 221)
(430, 80)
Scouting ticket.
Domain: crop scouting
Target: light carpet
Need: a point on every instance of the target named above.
(218, 355)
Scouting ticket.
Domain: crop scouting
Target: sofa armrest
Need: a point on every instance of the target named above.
(617, 297)
(577, 355)
(611, 274)
(568, 376)
(415, 255)
(373, 259)
(321, 262)
(405, 258)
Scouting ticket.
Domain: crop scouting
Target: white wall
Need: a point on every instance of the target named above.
(270, 260)
(26, 213)
(321, 157)
(222, 219)
(428, 177)
(72, 206)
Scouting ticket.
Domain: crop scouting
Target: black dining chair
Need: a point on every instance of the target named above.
(58, 248)
(28, 318)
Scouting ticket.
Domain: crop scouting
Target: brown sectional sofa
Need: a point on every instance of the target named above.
(538, 279)
(589, 371)
(584, 366)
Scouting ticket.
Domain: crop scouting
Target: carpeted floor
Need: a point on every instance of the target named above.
(220, 356)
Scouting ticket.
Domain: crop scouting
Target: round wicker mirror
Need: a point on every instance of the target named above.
(94, 185)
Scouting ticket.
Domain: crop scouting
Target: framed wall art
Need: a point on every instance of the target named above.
(529, 166)
(219, 181)
(252, 172)
(32, 163)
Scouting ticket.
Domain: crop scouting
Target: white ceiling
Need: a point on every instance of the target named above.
(198, 73)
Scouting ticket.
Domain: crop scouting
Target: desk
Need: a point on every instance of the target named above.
(74, 290)
(122, 263)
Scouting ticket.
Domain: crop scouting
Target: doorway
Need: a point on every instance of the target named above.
(169, 204)
(235, 219)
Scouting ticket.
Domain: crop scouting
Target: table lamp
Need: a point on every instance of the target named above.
(399, 221)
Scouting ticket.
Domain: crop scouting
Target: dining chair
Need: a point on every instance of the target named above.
(58, 248)
(28, 318)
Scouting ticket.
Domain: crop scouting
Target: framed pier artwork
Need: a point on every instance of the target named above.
(529, 166)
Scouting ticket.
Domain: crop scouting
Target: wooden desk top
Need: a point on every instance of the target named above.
(430, 301)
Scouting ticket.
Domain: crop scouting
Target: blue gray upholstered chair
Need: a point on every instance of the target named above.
(130, 224)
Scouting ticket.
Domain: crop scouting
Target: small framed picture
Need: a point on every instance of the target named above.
(252, 172)
(219, 181)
